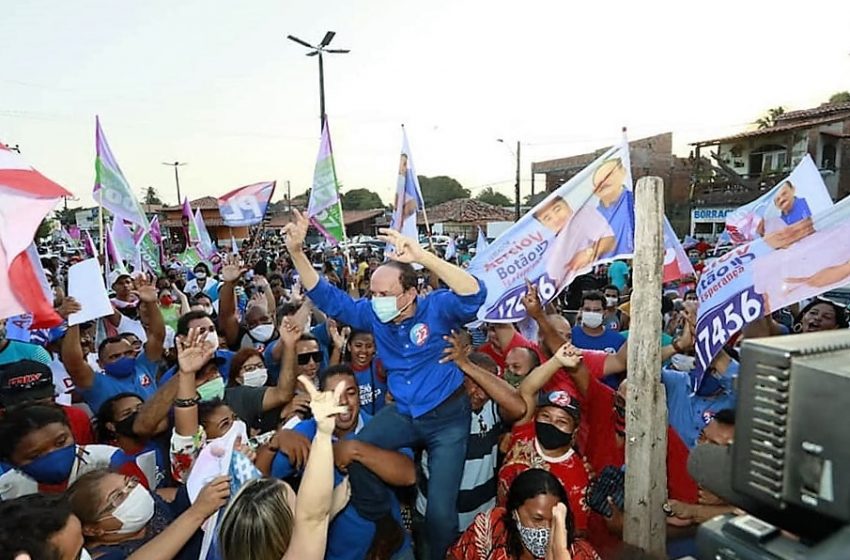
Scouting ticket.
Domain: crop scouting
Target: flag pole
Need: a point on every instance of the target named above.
(102, 237)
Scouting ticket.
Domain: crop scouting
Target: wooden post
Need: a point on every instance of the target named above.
(646, 405)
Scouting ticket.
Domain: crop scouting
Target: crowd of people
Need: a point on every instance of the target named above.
(357, 414)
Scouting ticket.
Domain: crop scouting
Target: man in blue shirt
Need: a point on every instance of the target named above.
(593, 334)
(690, 412)
(122, 371)
(618, 275)
(431, 408)
(616, 204)
(349, 534)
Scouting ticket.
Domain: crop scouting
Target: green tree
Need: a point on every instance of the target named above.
(490, 196)
(361, 199)
(152, 197)
(436, 190)
(839, 97)
(68, 216)
(534, 200)
(768, 120)
(43, 229)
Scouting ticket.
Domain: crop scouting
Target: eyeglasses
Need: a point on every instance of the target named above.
(304, 359)
(116, 498)
(252, 367)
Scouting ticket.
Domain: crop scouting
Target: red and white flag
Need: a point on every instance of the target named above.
(26, 197)
(676, 262)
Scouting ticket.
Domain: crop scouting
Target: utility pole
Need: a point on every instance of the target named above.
(645, 524)
(516, 189)
(516, 185)
(289, 197)
(175, 165)
(319, 51)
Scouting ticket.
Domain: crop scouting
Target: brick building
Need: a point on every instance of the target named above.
(649, 156)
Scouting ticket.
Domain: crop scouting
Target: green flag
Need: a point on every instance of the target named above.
(325, 207)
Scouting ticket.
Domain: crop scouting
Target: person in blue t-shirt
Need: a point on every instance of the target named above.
(690, 411)
(350, 536)
(592, 334)
(618, 275)
(122, 371)
(616, 204)
(430, 408)
(12, 351)
(358, 350)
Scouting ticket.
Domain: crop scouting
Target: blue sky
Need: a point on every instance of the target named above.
(216, 83)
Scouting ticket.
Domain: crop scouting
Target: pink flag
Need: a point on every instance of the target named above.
(676, 262)
(190, 227)
(26, 197)
(88, 245)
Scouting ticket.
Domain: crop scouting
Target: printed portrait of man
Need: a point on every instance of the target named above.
(616, 204)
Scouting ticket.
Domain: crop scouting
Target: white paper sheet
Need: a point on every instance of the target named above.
(85, 284)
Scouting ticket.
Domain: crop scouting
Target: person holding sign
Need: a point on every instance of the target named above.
(431, 408)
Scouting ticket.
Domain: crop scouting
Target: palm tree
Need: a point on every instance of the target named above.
(769, 120)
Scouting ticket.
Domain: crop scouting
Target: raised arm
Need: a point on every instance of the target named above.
(295, 232)
(567, 356)
(73, 359)
(282, 393)
(408, 250)
(146, 293)
(155, 409)
(313, 508)
(193, 351)
(531, 300)
(228, 320)
(511, 404)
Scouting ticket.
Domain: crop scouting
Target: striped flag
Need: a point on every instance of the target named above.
(26, 197)
(190, 226)
(111, 188)
(205, 245)
(325, 207)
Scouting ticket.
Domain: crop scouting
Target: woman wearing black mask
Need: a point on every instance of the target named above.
(546, 443)
(115, 427)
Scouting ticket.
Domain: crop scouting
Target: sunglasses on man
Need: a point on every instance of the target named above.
(304, 359)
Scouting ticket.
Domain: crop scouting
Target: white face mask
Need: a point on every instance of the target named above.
(135, 511)
(591, 319)
(262, 333)
(200, 275)
(212, 338)
(256, 378)
(612, 301)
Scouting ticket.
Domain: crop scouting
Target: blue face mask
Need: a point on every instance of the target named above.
(53, 468)
(385, 307)
(121, 368)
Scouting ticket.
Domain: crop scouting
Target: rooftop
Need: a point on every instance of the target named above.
(467, 211)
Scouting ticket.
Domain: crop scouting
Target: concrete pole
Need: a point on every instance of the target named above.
(645, 524)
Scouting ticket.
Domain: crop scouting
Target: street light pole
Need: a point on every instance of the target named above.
(175, 165)
(516, 185)
(319, 50)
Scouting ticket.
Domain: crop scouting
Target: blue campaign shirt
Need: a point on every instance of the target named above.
(688, 413)
(410, 350)
(609, 341)
(223, 369)
(621, 217)
(349, 534)
(373, 387)
(142, 382)
(16, 351)
(799, 211)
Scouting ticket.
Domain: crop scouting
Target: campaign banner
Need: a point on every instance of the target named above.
(798, 196)
(800, 261)
(247, 205)
(676, 262)
(588, 220)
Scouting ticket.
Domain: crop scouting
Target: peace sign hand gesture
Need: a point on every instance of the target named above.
(407, 250)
